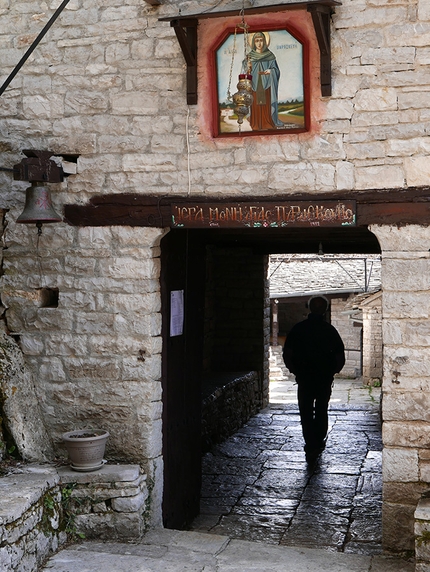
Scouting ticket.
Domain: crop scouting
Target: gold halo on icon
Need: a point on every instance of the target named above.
(266, 35)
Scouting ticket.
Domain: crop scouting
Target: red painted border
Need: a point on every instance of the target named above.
(303, 39)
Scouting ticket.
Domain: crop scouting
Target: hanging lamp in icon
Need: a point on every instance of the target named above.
(243, 98)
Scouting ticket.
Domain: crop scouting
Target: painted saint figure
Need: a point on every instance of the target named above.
(265, 81)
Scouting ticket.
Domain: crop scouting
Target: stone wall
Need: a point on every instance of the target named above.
(108, 83)
(406, 381)
(351, 336)
(229, 401)
(372, 340)
(96, 358)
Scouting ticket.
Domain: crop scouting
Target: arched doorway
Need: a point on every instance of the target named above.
(194, 264)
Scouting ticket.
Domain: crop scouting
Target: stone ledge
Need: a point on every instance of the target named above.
(107, 474)
(33, 506)
(20, 490)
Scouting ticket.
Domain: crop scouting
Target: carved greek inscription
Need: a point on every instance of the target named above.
(327, 213)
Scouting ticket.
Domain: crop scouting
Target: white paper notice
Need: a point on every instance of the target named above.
(176, 313)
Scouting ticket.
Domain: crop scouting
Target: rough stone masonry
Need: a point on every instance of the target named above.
(108, 83)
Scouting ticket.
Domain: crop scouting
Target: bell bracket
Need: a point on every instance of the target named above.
(38, 167)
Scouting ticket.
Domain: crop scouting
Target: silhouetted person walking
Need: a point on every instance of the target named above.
(314, 352)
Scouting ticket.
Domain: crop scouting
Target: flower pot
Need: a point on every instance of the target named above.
(86, 448)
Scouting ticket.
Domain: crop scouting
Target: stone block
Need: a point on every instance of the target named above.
(92, 368)
(134, 103)
(405, 147)
(406, 333)
(129, 504)
(112, 526)
(273, 151)
(329, 146)
(404, 493)
(31, 345)
(134, 369)
(406, 405)
(58, 344)
(85, 103)
(406, 34)
(300, 176)
(100, 507)
(417, 170)
(109, 473)
(345, 175)
(425, 471)
(404, 305)
(398, 527)
(379, 177)
(52, 369)
(406, 434)
(399, 465)
(406, 275)
(423, 10)
(380, 55)
(423, 56)
(170, 82)
(90, 323)
(365, 150)
(383, 99)
(403, 363)
(115, 53)
(117, 345)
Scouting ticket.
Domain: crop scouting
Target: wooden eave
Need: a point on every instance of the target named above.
(185, 27)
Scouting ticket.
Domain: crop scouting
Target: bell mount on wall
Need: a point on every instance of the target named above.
(39, 168)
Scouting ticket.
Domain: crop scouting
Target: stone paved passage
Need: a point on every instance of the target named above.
(257, 485)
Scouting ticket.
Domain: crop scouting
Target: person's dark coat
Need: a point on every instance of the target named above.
(314, 348)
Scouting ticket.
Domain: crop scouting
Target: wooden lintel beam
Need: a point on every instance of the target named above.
(394, 208)
(321, 20)
(393, 213)
(117, 215)
(186, 32)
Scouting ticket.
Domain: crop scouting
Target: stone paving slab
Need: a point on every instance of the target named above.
(173, 551)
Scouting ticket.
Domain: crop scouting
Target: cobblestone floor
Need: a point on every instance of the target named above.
(257, 485)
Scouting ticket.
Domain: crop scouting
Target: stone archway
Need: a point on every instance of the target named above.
(406, 377)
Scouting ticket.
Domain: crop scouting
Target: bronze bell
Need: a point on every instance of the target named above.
(38, 207)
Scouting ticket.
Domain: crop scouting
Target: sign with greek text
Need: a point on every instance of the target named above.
(264, 215)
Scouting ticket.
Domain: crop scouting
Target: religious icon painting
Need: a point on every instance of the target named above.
(276, 61)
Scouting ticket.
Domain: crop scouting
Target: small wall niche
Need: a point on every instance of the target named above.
(48, 297)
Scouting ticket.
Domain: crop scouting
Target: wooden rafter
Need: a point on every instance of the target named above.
(186, 32)
(321, 19)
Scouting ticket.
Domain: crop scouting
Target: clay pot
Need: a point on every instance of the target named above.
(86, 448)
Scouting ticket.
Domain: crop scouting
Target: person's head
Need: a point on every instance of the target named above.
(318, 305)
(259, 43)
